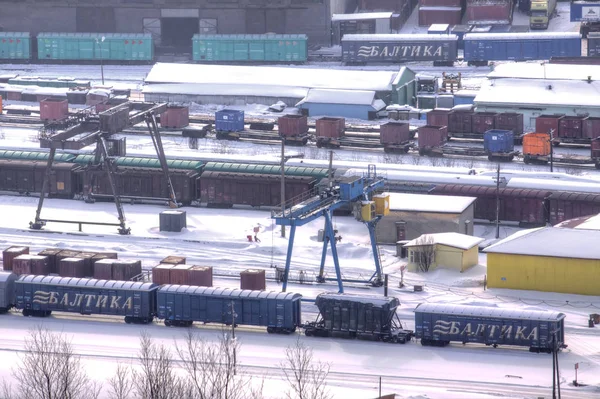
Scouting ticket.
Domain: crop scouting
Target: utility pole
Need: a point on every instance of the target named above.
(99, 43)
(498, 201)
(551, 150)
(283, 184)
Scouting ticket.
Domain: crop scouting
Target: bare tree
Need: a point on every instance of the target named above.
(305, 376)
(120, 385)
(49, 369)
(424, 252)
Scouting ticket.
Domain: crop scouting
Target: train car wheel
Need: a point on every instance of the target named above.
(270, 330)
(598, 166)
(26, 312)
(425, 342)
(167, 323)
(128, 319)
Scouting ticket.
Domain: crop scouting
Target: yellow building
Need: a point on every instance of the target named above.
(548, 259)
(451, 250)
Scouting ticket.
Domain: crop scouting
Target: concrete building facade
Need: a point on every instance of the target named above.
(412, 215)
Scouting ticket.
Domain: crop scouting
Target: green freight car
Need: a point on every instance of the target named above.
(15, 46)
(107, 47)
(249, 48)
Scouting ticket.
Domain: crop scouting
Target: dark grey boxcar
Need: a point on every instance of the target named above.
(399, 48)
(440, 324)
(181, 305)
(358, 316)
(40, 295)
(7, 291)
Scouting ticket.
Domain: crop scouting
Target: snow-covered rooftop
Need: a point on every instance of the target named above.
(551, 241)
(521, 36)
(455, 240)
(489, 311)
(584, 223)
(393, 37)
(553, 185)
(536, 70)
(361, 16)
(261, 77)
(429, 203)
(540, 92)
(350, 97)
(225, 89)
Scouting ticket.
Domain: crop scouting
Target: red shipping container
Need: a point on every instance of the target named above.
(160, 273)
(253, 280)
(54, 109)
(591, 127)
(483, 121)
(571, 127)
(441, 3)
(510, 121)
(179, 275)
(547, 123)
(175, 117)
(596, 149)
(103, 269)
(460, 122)
(432, 136)
(439, 15)
(22, 264)
(201, 276)
(438, 117)
(71, 267)
(331, 127)
(88, 262)
(51, 253)
(489, 12)
(40, 265)
(11, 253)
(14, 94)
(394, 133)
(174, 260)
(292, 125)
(126, 270)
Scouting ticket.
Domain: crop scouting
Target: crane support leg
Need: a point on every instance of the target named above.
(123, 230)
(38, 223)
(288, 259)
(336, 262)
(157, 141)
(376, 280)
(321, 277)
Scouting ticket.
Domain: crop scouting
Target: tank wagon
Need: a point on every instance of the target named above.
(440, 324)
(181, 305)
(351, 316)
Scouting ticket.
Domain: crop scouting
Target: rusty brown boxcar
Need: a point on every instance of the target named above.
(22, 264)
(175, 117)
(201, 276)
(591, 127)
(253, 279)
(126, 270)
(438, 117)
(103, 269)
(26, 177)
(431, 137)
(329, 130)
(52, 109)
(482, 122)
(88, 263)
(11, 253)
(225, 189)
(439, 15)
(72, 267)
(510, 121)
(570, 128)
(51, 253)
(568, 205)
(547, 123)
(179, 274)
(394, 132)
(292, 125)
(40, 265)
(160, 274)
(489, 12)
(460, 122)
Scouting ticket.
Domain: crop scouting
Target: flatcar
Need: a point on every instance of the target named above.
(440, 324)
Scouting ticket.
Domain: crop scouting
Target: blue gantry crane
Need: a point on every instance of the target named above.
(344, 192)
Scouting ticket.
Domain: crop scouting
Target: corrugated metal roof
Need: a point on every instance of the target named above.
(366, 299)
(236, 175)
(227, 292)
(522, 36)
(87, 282)
(35, 155)
(393, 37)
(137, 162)
(265, 36)
(489, 311)
(550, 241)
(264, 169)
(106, 36)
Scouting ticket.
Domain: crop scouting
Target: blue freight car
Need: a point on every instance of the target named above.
(40, 295)
(181, 305)
(229, 120)
(483, 47)
(7, 291)
(440, 324)
(499, 144)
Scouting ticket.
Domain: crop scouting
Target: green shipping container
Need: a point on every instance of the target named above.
(15, 46)
(134, 47)
(249, 48)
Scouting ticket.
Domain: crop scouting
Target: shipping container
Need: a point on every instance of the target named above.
(489, 12)
(51, 253)
(126, 270)
(510, 121)
(548, 124)
(40, 265)
(22, 264)
(464, 97)
(570, 128)
(481, 122)
(483, 47)
(175, 117)
(438, 29)
(180, 305)
(438, 117)
(11, 253)
(172, 221)
(440, 324)
(430, 137)
(15, 46)
(591, 127)
(440, 15)
(103, 269)
(329, 127)
(135, 301)
(108, 47)
(201, 276)
(292, 125)
(250, 48)
(536, 144)
(394, 133)
(7, 291)
(497, 141)
(229, 120)
(72, 267)
(174, 260)
(460, 121)
(52, 110)
(179, 275)
(88, 262)
(399, 48)
(161, 274)
(253, 279)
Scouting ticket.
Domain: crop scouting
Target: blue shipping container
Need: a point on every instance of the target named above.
(464, 98)
(585, 11)
(496, 141)
(278, 311)
(520, 46)
(229, 120)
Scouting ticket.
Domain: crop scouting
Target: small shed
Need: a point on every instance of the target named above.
(550, 259)
(366, 22)
(412, 215)
(358, 104)
(451, 250)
